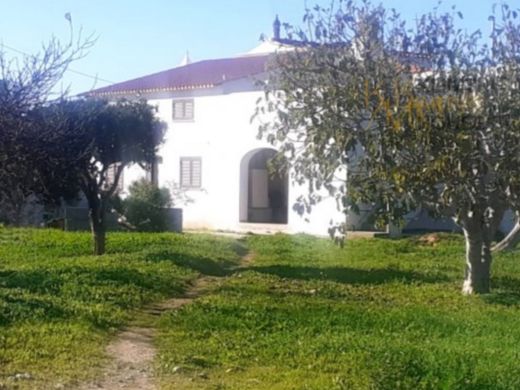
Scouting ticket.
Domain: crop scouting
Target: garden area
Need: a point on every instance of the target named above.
(296, 312)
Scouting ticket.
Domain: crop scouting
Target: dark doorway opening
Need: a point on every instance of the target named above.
(267, 190)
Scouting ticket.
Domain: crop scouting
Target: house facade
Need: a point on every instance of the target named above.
(212, 156)
(211, 151)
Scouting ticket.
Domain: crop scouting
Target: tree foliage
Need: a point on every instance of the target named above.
(107, 137)
(400, 117)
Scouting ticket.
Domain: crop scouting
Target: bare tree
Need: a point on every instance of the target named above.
(28, 134)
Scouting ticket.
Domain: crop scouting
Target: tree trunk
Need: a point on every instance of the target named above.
(97, 224)
(511, 240)
(99, 237)
(478, 264)
(480, 226)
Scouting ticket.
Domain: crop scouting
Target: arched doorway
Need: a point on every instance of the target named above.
(263, 194)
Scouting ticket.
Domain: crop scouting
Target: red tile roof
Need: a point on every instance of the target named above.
(210, 73)
(197, 75)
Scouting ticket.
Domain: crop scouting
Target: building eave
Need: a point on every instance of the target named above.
(149, 90)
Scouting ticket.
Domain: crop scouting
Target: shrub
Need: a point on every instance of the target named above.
(146, 206)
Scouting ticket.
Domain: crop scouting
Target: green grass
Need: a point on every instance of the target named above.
(379, 314)
(59, 305)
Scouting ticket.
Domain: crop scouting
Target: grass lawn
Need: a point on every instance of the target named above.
(59, 305)
(379, 314)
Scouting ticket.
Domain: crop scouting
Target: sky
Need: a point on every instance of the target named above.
(137, 37)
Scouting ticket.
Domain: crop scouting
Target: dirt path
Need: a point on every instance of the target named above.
(132, 352)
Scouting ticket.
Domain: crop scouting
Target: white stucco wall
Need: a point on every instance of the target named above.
(221, 134)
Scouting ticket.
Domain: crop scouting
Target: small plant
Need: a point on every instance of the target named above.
(145, 208)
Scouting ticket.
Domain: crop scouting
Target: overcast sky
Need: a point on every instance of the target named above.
(135, 38)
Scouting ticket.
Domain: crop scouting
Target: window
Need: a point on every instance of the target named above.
(183, 110)
(111, 177)
(191, 172)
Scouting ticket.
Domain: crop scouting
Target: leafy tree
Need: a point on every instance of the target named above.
(107, 137)
(145, 207)
(403, 117)
(51, 148)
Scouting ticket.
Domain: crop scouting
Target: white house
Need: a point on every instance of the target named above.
(212, 151)
(211, 148)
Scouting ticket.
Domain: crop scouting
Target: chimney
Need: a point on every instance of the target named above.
(186, 59)
(276, 29)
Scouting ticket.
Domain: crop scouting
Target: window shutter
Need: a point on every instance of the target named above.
(195, 173)
(188, 109)
(111, 177)
(191, 172)
(183, 109)
(185, 173)
(177, 110)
